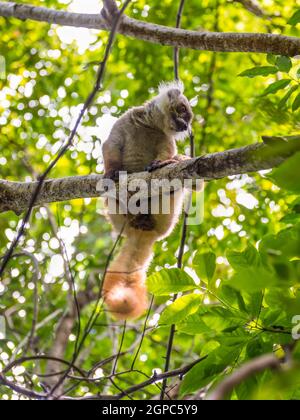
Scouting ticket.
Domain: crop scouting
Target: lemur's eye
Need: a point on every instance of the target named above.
(181, 109)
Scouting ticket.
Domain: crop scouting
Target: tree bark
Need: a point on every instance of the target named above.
(158, 34)
(15, 196)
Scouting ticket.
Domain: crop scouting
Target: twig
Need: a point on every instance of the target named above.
(120, 349)
(143, 333)
(23, 360)
(158, 377)
(268, 361)
(210, 91)
(40, 325)
(36, 277)
(21, 390)
(87, 104)
(253, 7)
(184, 225)
(94, 316)
(176, 49)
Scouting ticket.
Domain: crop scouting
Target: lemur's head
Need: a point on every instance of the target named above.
(176, 109)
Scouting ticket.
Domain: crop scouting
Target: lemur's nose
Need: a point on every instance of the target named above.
(181, 124)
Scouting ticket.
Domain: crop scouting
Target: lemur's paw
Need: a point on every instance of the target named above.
(158, 164)
(143, 222)
(113, 175)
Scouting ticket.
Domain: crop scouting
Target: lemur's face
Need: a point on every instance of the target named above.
(181, 114)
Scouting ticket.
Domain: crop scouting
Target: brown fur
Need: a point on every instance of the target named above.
(140, 137)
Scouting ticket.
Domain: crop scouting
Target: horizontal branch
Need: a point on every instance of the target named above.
(157, 377)
(153, 380)
(158, 34)
(15, 196)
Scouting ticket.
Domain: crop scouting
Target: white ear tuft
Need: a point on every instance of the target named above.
(162, 98)
(164, 87)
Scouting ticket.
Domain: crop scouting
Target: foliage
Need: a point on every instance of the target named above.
(239, 291)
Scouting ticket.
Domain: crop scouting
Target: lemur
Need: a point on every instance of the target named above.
(143, 138)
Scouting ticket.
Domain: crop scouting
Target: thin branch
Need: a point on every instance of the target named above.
(211, 86)
(36, 276)
(253, 7)
(260, 364)
(20, 390)
(158, 377)
(22, 360)
(40, 325)
(89, 101)
(143, 333)
(176, 49)
(65, 325)
(184, 223)
(120, 350)
(93, 317)
(158, 34)
(151, 381)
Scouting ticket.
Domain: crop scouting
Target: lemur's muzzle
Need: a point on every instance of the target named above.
(181, 124)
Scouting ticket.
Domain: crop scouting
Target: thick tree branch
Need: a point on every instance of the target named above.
(158, 34)
(15, 196)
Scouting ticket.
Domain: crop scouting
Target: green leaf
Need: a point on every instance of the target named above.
(287, 176)
(276, 86)
(286, 244)
(204, 372)
(273, 317)
(168, 281)
(205, 265)
(296, 103)
(251, 276)
(239, 337)
(209, 321)
(180, 309)
(271, 59)
(232, 297)
(253, 302)
(284, 63)
(287, 96)
(292, 218)
(221, 319)
(259, 71)
(240, 260)
(194, 324)
(253, 279)
(298, 73)
(295, 18)
(257, 347)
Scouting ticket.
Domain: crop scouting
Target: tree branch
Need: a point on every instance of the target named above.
(158, 34)
(15, 196)
(267, 361)
(153, 380)
(252, 6)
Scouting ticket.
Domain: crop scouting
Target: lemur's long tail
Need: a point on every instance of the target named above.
(124, 288)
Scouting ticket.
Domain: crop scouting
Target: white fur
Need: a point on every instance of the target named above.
(163, 89)
(182, 135)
